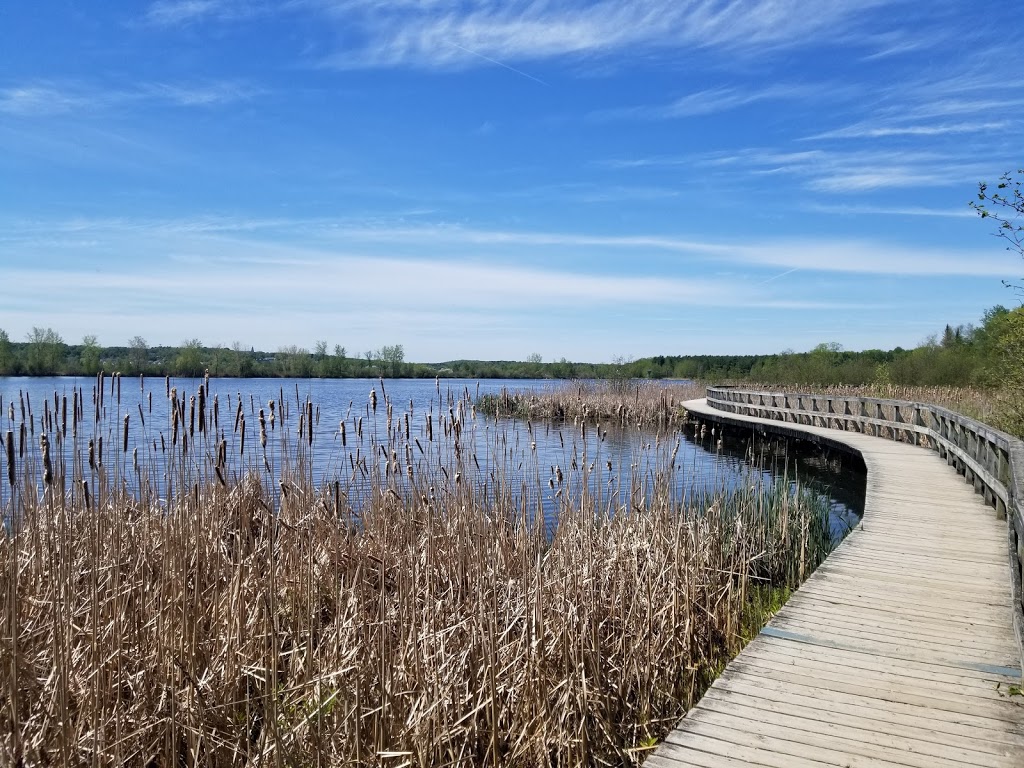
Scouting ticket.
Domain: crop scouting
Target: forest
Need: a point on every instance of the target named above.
(983, 355)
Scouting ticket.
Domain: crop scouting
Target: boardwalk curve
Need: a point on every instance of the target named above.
(901, 649)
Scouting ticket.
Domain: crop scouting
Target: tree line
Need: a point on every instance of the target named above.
(986, 355)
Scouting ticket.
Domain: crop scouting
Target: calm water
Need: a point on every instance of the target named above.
(507, 454)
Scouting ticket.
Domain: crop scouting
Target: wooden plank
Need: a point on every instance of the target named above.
(898, 651)
(798, 698)
(869, 667)
(854, 739)
(768, 710)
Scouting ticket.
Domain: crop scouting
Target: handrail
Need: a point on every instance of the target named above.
(991, 460)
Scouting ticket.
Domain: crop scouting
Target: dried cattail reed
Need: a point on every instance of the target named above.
(10, 458)
(44, 449)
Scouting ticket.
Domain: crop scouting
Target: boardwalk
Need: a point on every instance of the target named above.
(898, 651)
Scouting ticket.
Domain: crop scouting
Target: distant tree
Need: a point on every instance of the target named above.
(189, 361)
(294, 362)
(242, 364)
(534, 358)
(392, 358)
(6, 354)
(1005, 206)
(90, 357)
(138, 354)
(45, 352)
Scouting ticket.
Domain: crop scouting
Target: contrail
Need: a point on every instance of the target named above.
(500, 64)
(783, 274)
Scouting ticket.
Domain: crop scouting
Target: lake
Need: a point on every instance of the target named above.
(519, 457)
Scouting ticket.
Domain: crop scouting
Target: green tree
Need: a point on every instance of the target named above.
(294, 362)
(45, 355)
(189, 360)
(1005, 206)
(6, 354)
(138, 354)
(90, 356)
(391, 358)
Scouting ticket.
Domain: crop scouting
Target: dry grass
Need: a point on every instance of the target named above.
(636, 404)
(205, 603)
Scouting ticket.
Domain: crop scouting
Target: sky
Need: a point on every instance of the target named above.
(491, 179)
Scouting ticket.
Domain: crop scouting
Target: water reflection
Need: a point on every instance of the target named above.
(367, 433)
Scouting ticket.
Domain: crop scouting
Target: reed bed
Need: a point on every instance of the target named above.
(189, 594)
(637, 404)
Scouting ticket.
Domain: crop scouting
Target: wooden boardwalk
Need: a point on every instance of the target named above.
(898, 651)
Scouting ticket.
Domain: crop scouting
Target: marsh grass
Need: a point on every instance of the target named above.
(193, 595)
(648, 405)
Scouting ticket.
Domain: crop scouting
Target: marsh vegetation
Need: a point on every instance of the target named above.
(182, 588)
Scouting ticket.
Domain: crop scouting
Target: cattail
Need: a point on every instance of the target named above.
(216, 414)
(167, 385)
(174, 427)
(135, 459)
(430, 428)
(238, 415)
(192, 416)
(341, 426)
(271, 404)
(99, 453)
(263, 430)
(88, 498)
(202, 406)
(241, 448)
(64, 415)
(373, 400)
(309, 419)
(44, 447)
(10, 457)
(124, 448)
(92, 455)
(406, 427)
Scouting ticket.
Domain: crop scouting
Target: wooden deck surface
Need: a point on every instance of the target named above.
(898, 651)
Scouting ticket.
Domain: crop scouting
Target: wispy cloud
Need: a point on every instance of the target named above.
(36, 99)
(454, 35)
(895, 210)
(211, 240)
(840, 171)
(200, 94)
(48, 98)
(705, 102)
(177, 12)
(886, 129)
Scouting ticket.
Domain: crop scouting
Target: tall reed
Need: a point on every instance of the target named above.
(198, 596)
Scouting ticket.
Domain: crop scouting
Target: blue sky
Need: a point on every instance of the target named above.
(490, 179)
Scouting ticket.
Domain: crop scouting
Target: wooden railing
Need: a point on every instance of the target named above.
(991, 460)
